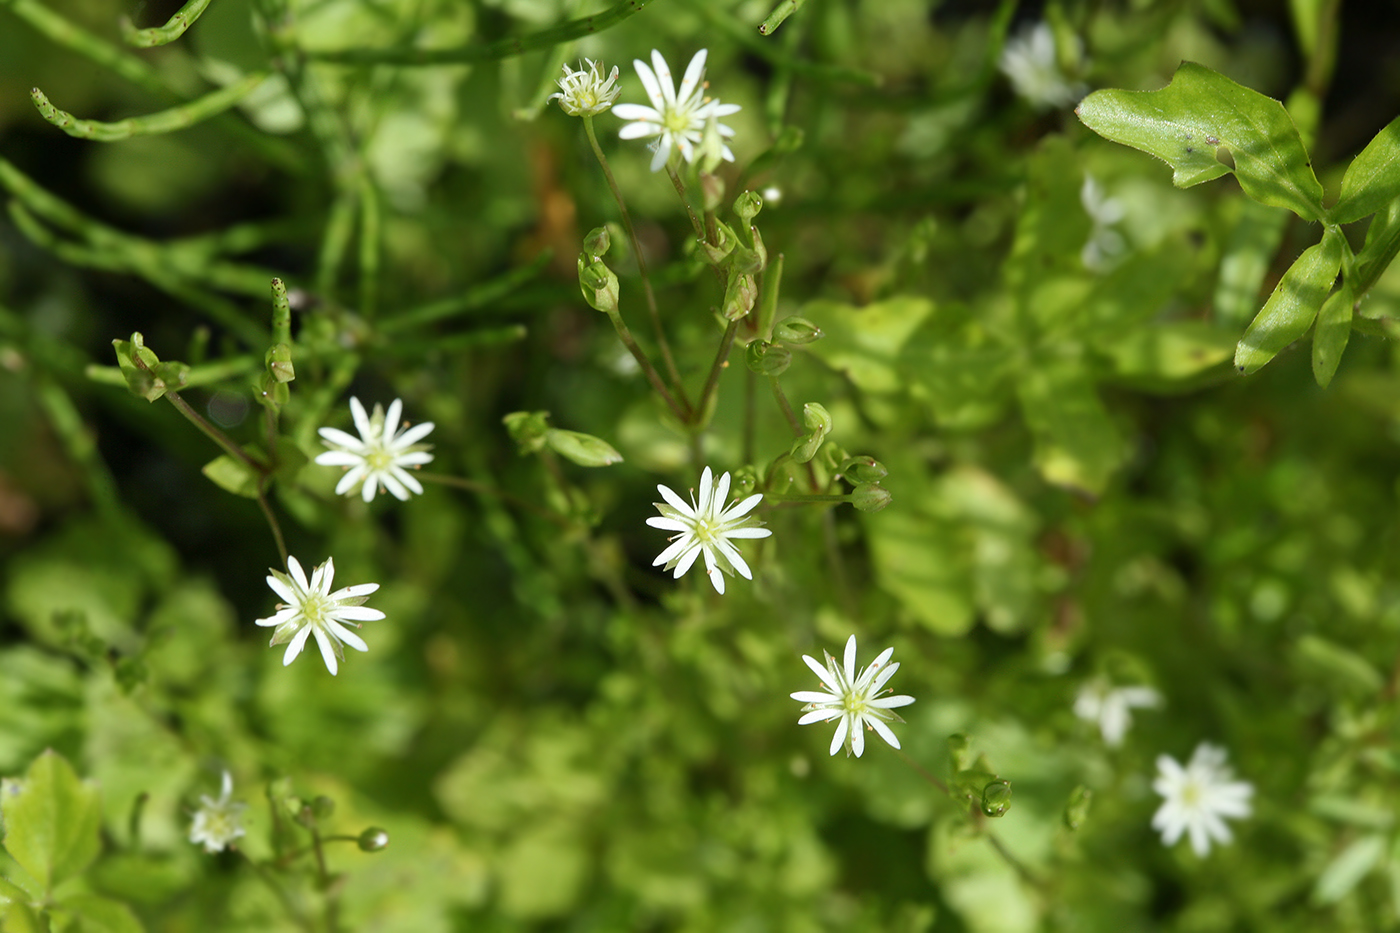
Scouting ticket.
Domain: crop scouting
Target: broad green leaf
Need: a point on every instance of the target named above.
(1168, 357)
(959, 366)
(102, 915)
(1348, 868)
(1373, 179)
(1053, 225)
(1076, 444)
(51, 822)
(864, 343)
(232, 475)
(1290, 310)
(1250, 249)
(1333, 331)
(1202, 118)
(921, 561)
(19, 917)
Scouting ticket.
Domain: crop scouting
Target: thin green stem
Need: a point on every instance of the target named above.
(173, 29)
(652, 309)
(1016, 864)
(490, 51)
(648, 370)
(225, 443)
(474, 298)
(271, 517)
(721, 361)
(482, 489)
(679, 185)
(788, 413)
(922, 771)
(165, 121)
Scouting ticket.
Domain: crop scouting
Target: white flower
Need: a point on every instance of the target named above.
(1198, 797)
(311, 608)
(1111, 707)
(679, 118)
(378, 456)
(705, 527)
(584, 92)
(853, 698)
(1028, 59)
(217, 823)
(1105, 245)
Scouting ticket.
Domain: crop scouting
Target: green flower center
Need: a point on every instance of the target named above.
(675, 121)
(379, 459)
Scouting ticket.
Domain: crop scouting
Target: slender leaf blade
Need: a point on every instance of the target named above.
(1372, 180)
(1333, 332)
(1193, 122)
(1293, 306)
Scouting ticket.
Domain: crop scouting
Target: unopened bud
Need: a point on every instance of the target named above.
(996, 798)
(863, 470)
(739, 297)
(529, 429)
(597, 242)
(767, 359)
(743, 482)
(583, 449)
(870, 497)
(797, 331)
(747, 206)
(819, 422)
(279, 363)
(373, 839)
(598, 284)
(322, 807)
(1077, 809)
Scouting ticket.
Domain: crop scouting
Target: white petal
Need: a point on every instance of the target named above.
(295, 645)
(748, 533)
(355, 614)
(883, 731)
(352, 479)
(347, 636)
(814, 696)
(686, 560)
(721, 494)
(411, 436)
(736, 560)
(742, 508)
(640, 130)
(392, 484)
(297, 574)
(341, 458)
(694, 74)
(327, 650)
(857, 738)
(818, 715)
(663, 152)
(413, 458)
(715, 574)
(822, 673)
(341, 439)
(391, 420)
(892, 702)
(361, 418)
(668, 524)
(370, 487)
(406, 479)
(674, 551)
(850, 662)
(840, 737)
(675, 501)
(664, 78)
(638, 112)
(288, 594)
(707, 489)
(649, 83)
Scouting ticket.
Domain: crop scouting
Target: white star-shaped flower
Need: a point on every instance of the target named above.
(678, 117)
(1198, 798)
(1111, 707)
(1030, 62)
(217, 823)
(584, 91)
(852, 698)
(312, 609)
(705, 527)
(378, 456)
(1105, 245)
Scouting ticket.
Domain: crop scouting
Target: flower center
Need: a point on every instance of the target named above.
(1191, 794)
(379, 459)
(313, 609)
(705, 530)
(676, 121)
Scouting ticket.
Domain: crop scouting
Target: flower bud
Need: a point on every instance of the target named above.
(279, 363)
(767, 359)
(583, 449)
(870, 497)
(760, 252)
(597, 242)
(996, 798)
(373, 839)
(743, 481)
(714, 254)
(747, 206)
(797, 331)
(863, 470)
(145, 374)
(1077, 809)
(322, 807)
(740, 296)
(819, 423)
(529, 429)
(598, 284)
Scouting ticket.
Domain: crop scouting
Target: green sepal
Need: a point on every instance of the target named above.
(716, 253)
(279, 363)
(1294, 304)
(767, 359)
(819, 424)
(52, 820)
(232, 475)
(583, 449)
(529, 429)
(1203, 125)
(598, 284)
(739, 295)
(145, 374)
(797, 331)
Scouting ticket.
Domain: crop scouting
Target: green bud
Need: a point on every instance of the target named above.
(597, 242)
(996, 798)
(598, 284)
(960, 751)
(767, 359)
(711, 191)
(742, 481)
(797, 331)
(1077, 809)
(790, 139)
(145, 374)
(747, 206)
(819, 423)
(870, 497)
(863, 470)
(760, 252)
(715, 254)
(583, 449)
(279, 363)
(373, 839)
(740, 296)
(529, 429)
(322, 807)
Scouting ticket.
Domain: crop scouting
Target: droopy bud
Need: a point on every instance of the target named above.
(322, 807)
(996, 798)
(583, 449)
(870, 497)
(1077, 809)
(373, 839)
(863, 470)
(739, 297)
(767, 359)
(598, 284)
(819, 422)
(797, 331)
(145, 374)
(747, 206)
(597, 242)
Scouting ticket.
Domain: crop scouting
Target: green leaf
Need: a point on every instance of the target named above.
(1076, 444)
(1202, 118)
(51, 821)
(583, 449)
(1333, 331)
(1373, 178)
(1348, 868)
(102, 915)
(1290, 310)
(1248, 252)
(233, 475)
(1381, 246)
(921, 561)
(864, 343)
(1169, 357)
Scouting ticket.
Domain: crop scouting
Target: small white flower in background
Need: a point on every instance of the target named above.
(1029, 60)
(772, 196)
(852, 698)
(678, 118)
(312, 609)
(584, 92)
(217, 823)
(1198, 797)
(378, 456)
(705, 527)
(1105, 245)
(1111, 707)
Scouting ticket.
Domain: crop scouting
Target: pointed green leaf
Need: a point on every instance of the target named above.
(51, 821)
(102, 914)
(1248, 252)
(1382, 245)
(1202, 118)
(1373, 179)
(233, 475)
(1290, 310)
(1333, 331)
(583, 449)
(1348, 868)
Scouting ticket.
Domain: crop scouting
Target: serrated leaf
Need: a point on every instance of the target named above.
(232, 475)
(1347, 869)
(1293, 306)
(51, 821)
(1192, 122)
(1333, 332)
(1372, 179)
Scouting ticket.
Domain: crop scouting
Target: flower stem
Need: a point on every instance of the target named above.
(625, 335)
(923, 772)
(695, 224)
(272, 519)
(721, 361)
(813, 499)
(661, 341)
(482, 489)
(214, 434)
(787, 409)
